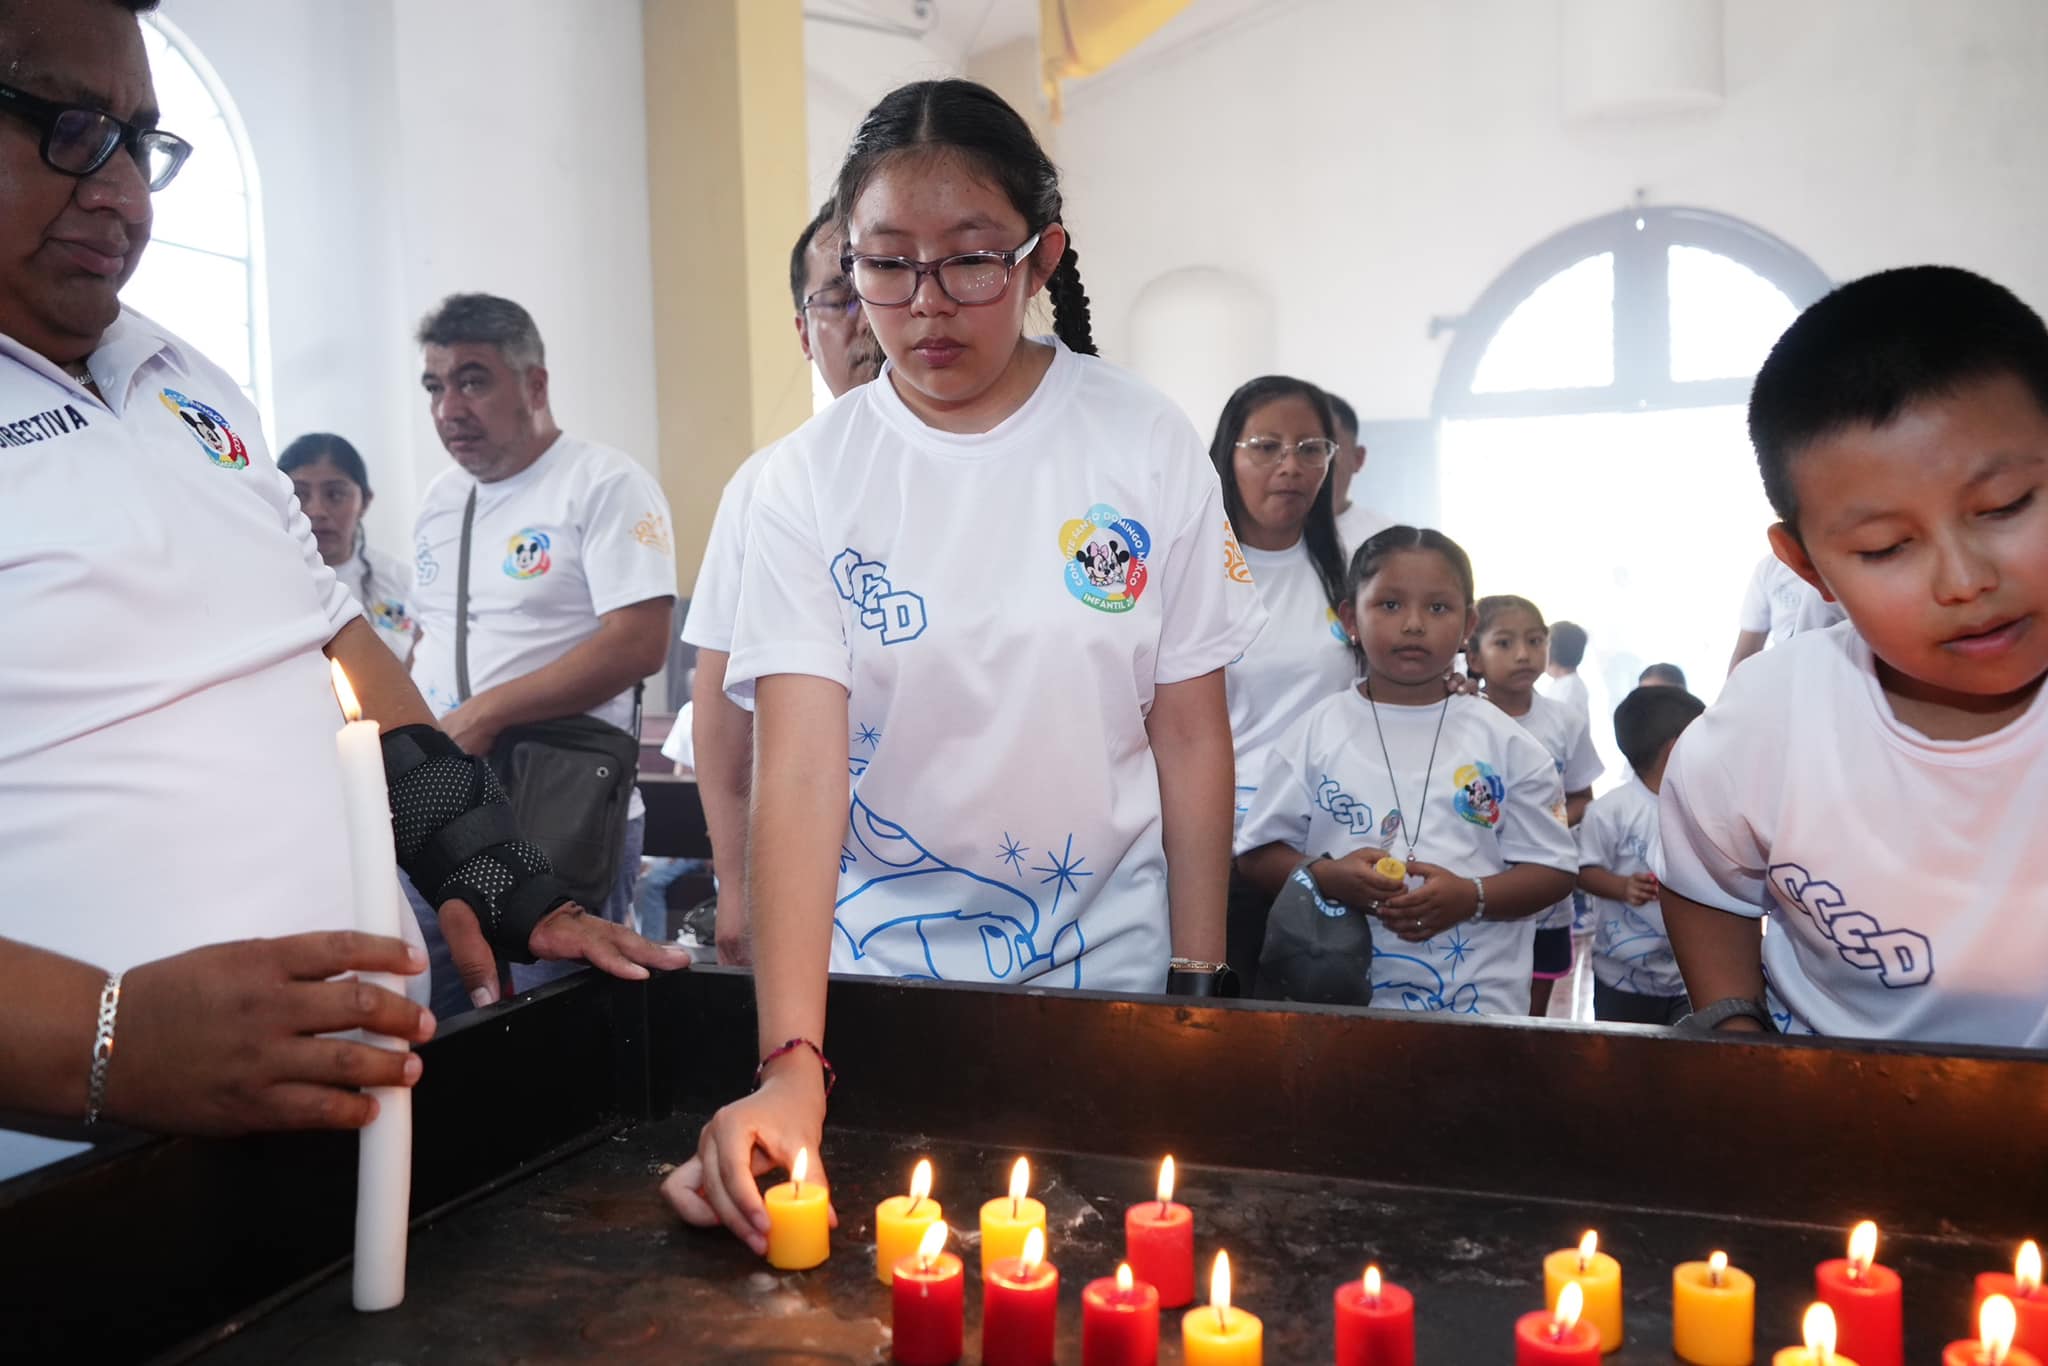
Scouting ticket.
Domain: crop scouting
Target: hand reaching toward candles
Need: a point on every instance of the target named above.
(565, 934)
(754, 1135)
(1444, 899)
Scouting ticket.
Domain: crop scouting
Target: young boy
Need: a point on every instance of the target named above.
(1872, 787)
(1561, 679)
(1635, 978)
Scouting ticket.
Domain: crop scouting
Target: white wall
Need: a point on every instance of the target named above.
(1374, 165)
(411, 148)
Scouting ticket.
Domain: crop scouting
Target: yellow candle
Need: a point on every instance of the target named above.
(1818, 1329)
(1219, 1333)
(799, 1220)
(1713, 1313)
(901, 1221)
(1598, 1277)
(1008, 1220)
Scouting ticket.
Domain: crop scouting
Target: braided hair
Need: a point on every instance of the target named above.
(975, 122)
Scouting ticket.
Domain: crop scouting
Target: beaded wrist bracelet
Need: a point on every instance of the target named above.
(791, 1046)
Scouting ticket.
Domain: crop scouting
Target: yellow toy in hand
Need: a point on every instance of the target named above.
(1391, 868)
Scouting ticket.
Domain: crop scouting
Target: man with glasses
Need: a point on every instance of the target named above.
(171, 828)
(833, 333)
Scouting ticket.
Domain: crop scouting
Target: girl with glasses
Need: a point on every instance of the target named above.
(994, 589)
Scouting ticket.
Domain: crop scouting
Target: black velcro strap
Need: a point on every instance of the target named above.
(460, 840)
(522, 908)
(406, 748)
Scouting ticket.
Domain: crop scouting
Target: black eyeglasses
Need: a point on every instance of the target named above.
(971, 278)
(78, 141)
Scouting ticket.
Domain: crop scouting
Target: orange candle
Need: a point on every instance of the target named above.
(1005, 1223)
(1818, 1330)
(799, 1220)
(901, 1221)
(1598, 1277)
(1219, 1333)
(1997, 1321)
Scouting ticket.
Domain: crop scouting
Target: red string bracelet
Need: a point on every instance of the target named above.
(831, 1077)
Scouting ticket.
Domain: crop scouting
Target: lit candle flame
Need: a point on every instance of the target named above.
(1034, 1250)
(1717, 1267)
(1372, 1283)
(1589, 1246)
(1862, 1249)
(1818, 1329)
(1997, 1322)
(1020, 1184)
(1571, 1302)
(920, 1184)
(2026, 1269)
(346, 695)
(1219, 1289)
(1165, 1183)
(934, 1243)
(1124, 1280)
(800, 1168)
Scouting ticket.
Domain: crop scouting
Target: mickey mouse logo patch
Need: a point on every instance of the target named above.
(1105, 554)
(209, 429)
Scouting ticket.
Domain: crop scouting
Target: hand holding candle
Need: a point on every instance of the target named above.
(1119, 1321)
(1713, 1313)
(1375, 1323)
(901, 1221)
(1598, 1277)
(1159, 1241)
(1558, 1337)
(2023, 1288)
(384, 1151)
(1006, 1222)
(1997, 1322)
(1867, 1301)
(799, 1220)
(1219, 1333)
(928, 1292)
(1020, 1307)
(1818, 1331)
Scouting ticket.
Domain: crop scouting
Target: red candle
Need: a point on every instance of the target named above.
(930, 1294)
(1119, 1321)
(1159, 1243)
(1867, 1300)
(1997, 1320)
(1375, 1323)
(1019, 1307)
(2023, 1288)
(1543, 1339)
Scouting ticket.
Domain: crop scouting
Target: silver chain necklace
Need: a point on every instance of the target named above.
(1429, 773)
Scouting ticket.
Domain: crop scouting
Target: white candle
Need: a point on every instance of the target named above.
(384, 1157)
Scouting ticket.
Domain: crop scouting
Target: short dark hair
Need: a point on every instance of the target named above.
(1877, 346)
(1346, 415)
(1366, 560)
(485, 320)
(1671, 674)
(798, 274)
(314, 447)
(1649, 719)
(1319, 529)
(1567, 643)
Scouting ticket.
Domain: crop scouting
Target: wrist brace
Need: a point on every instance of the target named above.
(456, 837)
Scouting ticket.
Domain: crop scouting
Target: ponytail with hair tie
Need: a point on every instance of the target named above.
(1070, 320)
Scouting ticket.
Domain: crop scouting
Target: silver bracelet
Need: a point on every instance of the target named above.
(1479, 886)
(102, 1048)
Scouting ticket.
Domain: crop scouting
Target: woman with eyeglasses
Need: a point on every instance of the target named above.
(1272, 452)
(994, 584)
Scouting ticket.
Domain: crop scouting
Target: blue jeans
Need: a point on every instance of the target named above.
(450, 998)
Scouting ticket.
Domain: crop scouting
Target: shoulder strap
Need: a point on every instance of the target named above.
(462, 600)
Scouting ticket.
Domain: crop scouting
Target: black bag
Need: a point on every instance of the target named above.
(570, 780)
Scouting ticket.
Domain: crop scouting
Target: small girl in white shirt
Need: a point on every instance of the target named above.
(1510, 650)
(1437, 815)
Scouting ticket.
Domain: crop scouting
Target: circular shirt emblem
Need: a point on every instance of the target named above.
(1480, 793)
(209, 429)
(526, 555)
(1105, 554)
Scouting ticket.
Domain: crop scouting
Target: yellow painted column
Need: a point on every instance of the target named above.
(727, 185)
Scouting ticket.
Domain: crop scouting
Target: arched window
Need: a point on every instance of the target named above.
(1594, 450)
(202, 276)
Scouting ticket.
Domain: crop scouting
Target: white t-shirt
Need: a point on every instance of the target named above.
(382, 586)
(167, 757)
(1631, 951)
(1567, 738)
(1779, 604)
(1570, 690)
(1493, 799)
(715, 601)
(1299, 659)
(1906, 878)
(582, 531)
(1000, 608)
(1358, 524)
